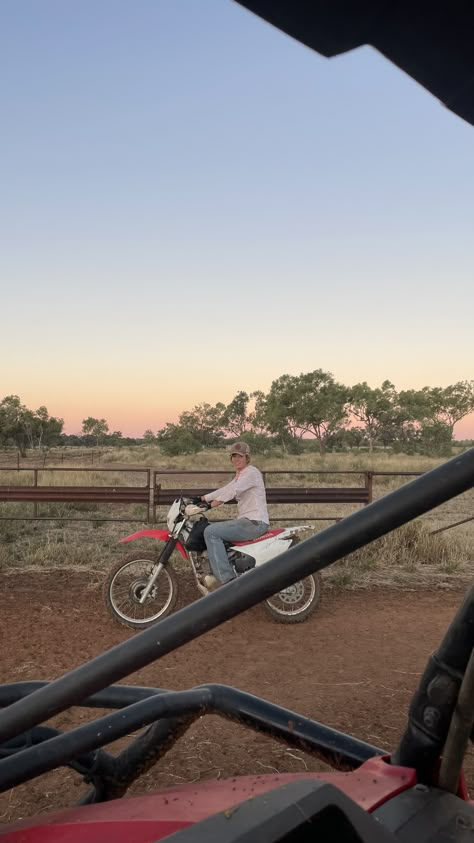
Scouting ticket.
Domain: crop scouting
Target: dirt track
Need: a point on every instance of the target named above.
(353, 665)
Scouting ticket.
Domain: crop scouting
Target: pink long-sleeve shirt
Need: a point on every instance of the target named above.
(249, 491)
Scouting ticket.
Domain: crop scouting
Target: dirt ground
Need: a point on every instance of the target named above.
(353, 666)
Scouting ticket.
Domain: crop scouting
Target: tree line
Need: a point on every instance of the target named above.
(298, 410)
(315, 407)
(37, 430)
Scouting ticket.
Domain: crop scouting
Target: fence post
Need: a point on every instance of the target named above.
(35, 484)
(151, 498)
(369, 477)
(157, 489)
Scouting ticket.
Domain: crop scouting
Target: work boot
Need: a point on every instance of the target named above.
(211, 582)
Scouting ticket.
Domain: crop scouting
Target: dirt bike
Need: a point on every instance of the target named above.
(416, 794)
(143, 588)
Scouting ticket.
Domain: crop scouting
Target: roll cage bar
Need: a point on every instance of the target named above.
(28, 748)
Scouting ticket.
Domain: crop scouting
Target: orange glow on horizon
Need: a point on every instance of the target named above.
(135, 428)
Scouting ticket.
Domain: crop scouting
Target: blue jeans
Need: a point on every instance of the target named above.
(237, 530)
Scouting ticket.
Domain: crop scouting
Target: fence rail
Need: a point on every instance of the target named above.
(155, 492)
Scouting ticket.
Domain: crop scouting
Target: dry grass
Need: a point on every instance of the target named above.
(409, 557)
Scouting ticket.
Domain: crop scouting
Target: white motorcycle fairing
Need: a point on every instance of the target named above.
(271, 544)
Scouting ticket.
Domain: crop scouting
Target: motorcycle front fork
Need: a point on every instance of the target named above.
(163, 559)
(151, 582)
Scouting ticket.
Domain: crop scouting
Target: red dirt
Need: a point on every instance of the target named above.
(353, 666)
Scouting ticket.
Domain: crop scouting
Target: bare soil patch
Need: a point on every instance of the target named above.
(354, 666)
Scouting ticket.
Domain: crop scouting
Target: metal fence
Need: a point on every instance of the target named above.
(155, 489)
(159, 487)
(12, 458)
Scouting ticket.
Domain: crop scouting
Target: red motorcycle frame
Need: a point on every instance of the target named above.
(143, 588)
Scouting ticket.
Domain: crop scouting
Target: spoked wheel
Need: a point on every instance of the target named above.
(295, 603)
(125, 584)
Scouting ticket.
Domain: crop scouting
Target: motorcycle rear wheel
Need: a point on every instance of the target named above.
(297, 602)
(125, 583)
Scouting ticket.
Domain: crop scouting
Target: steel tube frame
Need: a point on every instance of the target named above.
(331, 746)
(314, 554)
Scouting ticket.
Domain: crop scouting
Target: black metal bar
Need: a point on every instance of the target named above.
(61, 749)
(460, 728)
(231, 702)
(433, 703)
(314, 554)
(116, 696)
(144, 752)
(95, 767)
(111, 776)
(39, 735)
(238, 705)
(34, 736)
(329, 745)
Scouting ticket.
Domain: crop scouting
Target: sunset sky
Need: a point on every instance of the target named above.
(193, 204)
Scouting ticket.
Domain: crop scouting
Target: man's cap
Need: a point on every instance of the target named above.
(239, 448)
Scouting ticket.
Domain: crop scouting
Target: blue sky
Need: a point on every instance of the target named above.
(194, 204)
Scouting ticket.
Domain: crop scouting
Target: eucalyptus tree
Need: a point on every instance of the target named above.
(279, 410)
(258, 415)
(12, 423)
(42, 430)
(26, 428)
(235, 417)
(377, 409)
(323, 405)
(96, 429)
(312, 403)
(174, 439)
(204, 423)
(433, 406)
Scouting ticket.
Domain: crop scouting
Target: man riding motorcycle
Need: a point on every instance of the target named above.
(248, 489)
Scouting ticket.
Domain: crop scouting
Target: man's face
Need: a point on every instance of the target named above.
(238, 460)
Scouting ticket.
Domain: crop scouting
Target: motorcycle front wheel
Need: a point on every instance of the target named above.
(297, 602)
(125, 584)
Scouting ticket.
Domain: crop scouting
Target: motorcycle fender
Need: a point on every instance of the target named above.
(159, 535)
(274, 548)
(264, 550)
